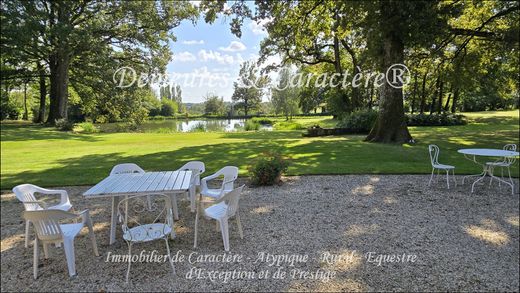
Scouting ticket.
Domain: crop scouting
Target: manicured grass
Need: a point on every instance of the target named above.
(48, 157)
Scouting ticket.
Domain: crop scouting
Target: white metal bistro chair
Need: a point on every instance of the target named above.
(221, 210)
(229, 174)
(434, 159)
(26, 194)
(141, 224)
(48, 230)
(502, 163)
(196, 168)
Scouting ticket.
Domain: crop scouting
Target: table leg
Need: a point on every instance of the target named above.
(113, 220)
(174, 206)
(173, 199)
(504, 181)
(479, 179)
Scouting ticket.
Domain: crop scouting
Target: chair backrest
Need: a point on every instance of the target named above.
(196, 168)
(434, 154)
(46, 223)
(231, 199)
(135, 211)
(510, 147)
(126, 168)
(230, 174)
(25, 193)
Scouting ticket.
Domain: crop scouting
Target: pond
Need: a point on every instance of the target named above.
(186, 125)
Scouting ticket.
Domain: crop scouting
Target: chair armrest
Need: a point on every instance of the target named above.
(63, 193)
(85, 217)
(38, 202)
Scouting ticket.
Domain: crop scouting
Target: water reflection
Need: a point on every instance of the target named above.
(202, 125)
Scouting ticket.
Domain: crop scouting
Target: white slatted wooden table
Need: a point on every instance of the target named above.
(114, 186)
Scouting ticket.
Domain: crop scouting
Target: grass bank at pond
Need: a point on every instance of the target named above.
(47, 157)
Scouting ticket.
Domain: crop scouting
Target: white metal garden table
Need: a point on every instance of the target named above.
(472, 154)
(114, 186)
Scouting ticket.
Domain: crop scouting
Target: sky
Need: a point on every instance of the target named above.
(207, 57)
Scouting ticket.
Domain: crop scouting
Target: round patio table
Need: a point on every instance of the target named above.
(472, 154)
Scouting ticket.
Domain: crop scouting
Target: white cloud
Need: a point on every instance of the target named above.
(215, 56)
(184, 57)
(258, 27)
(234, 46)
(193, 42)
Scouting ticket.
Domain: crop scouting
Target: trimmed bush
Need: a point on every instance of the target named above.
(359, 121)
(86, 127)
(268, 169)
(64, 124)
(263, 120)
(444, 119)
(251, 125)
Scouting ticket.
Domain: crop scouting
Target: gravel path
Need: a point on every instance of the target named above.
(313, 233)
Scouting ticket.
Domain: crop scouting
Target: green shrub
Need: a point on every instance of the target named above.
(251, 125)
(199, 127)
(86, 127)
(359, 121)
(63, 124)
(168, 107)
(444, 119)
(268, 169)
(263, 120)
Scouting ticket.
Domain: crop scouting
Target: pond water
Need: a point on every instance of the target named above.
(178, 125)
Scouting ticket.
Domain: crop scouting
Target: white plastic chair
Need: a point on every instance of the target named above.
(25, 194)
(48, 230)
(502, 163)
(230, 174)
(196, 168)
(434, 159)
(133, 210)
(223, 209)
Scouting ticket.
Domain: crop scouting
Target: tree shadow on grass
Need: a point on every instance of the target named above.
(28, 132)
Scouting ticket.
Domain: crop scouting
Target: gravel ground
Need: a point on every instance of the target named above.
(323, 233)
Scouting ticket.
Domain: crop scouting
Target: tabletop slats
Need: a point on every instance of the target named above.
(136, 183)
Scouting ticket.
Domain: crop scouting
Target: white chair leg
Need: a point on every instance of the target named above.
(92, 238)
(129, 261)
(501, 175)
(448, 178)
(454, 178)
(149, 202)
(46, 250)
(169, 255)
(27, 224)
(225, 232)
(174, 206)
(68, 246)
(239, 223)
(193, 198)
(431, 177)
(36, 256)
(196, 228)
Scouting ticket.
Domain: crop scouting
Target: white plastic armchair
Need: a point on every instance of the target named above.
(141, 224)
(196, 168)
(434, 159)
(48, 230)
(230, 174)
(223, 209)
(26, 194)
(502, 163)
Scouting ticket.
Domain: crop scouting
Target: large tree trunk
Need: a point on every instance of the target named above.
(59, 69)
(390, 126)
(455, 100)
(441, 93)
(43, 95)
(423, 93)
(25, 111)
(412, 107)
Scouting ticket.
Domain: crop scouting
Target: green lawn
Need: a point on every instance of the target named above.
(48, 157)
